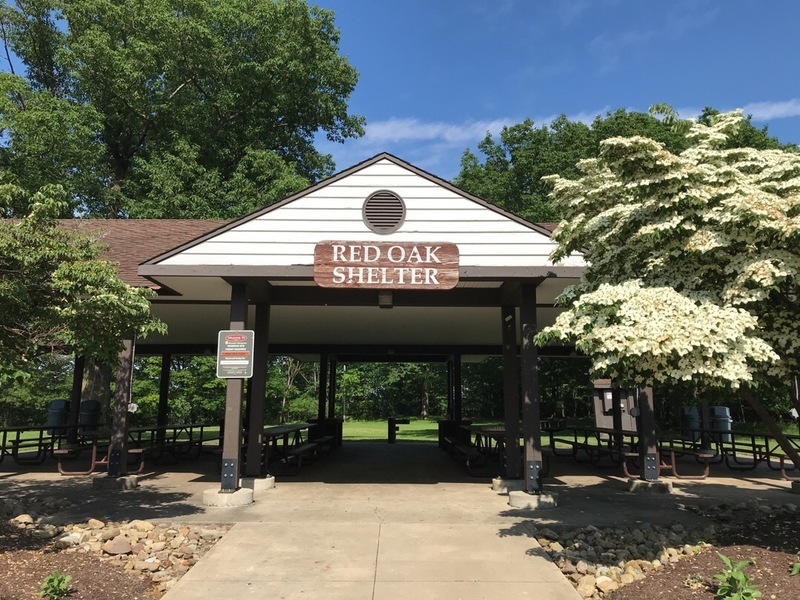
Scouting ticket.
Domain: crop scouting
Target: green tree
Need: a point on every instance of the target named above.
(693, 267)
(27, 400)
(513, 166)
(195, 394)
(170, 108)
(56, 296)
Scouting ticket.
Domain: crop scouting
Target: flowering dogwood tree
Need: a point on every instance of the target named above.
(693, 260)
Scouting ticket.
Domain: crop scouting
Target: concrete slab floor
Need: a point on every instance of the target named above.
(379, 521)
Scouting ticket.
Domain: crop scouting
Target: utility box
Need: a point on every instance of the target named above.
(603, 395)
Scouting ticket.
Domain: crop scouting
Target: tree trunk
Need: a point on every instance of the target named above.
(97, 386)
(293, 368)
(794, 394)
(772, 427)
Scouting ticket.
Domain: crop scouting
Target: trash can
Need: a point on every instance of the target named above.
(721, 422)
(89, 414)
(57, 414)
(691, 425)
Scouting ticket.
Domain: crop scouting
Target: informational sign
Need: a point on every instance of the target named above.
(386, 265)
(235, 354)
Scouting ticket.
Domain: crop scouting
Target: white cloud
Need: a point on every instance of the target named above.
(766, 111)
(409, 129)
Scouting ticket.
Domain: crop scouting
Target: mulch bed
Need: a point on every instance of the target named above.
(770, 545)
(25, 562)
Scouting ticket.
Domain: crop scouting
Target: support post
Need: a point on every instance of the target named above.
(75, 399)
(450, 387)
(794, 396)
(531, 420)
(322, 391)
(163, 397)
(258, 393)
(511, 391)
(458, 414)
(648, 442)
(705, 435)
(118, 450)
(332, 390)
(232, 442)
(616, 418)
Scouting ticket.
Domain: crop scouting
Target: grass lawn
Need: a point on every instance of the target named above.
(419, 430)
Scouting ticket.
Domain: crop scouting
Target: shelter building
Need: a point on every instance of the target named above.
(382, 261)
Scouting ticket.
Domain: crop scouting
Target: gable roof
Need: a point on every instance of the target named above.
(129, 242)
(284, 234)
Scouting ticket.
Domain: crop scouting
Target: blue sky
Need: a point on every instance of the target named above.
(436, 75)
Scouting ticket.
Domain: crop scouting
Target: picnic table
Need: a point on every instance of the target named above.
(596, 443)
(478, 444)
(154, 442)
(30, 444)
(185, 440)
(285, 443)
(98, 442)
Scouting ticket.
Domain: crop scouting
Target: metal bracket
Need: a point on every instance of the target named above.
(114, 462)
(651, 467)
(229, 471)
(533, 476)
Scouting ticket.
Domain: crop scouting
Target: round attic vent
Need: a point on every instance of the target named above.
(384, 211)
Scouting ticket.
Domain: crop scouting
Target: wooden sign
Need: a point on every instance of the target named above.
(386, 265)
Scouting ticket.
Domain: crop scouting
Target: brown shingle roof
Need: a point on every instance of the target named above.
(133, 241)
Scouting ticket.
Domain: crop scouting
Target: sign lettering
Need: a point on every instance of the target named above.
(235, 354)
(383, 265)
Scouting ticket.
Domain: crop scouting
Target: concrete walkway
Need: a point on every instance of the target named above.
(344, 538)
(377, 521)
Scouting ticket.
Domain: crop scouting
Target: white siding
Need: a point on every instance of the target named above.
(287, 235)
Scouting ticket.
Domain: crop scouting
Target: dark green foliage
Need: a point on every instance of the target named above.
(196, 395)
(161, 108)
(25, 401)
(56, 296)
(512, 167)
(381, 390)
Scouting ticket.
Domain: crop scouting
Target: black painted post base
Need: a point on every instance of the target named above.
(229, 479)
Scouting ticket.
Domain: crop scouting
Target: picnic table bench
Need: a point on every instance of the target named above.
(741, 450)
(285, 444)
(173, 442)
(476, 445)
(667, 456)
(152, 442)
(466, 452)
(31, 444)
(596, 443)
